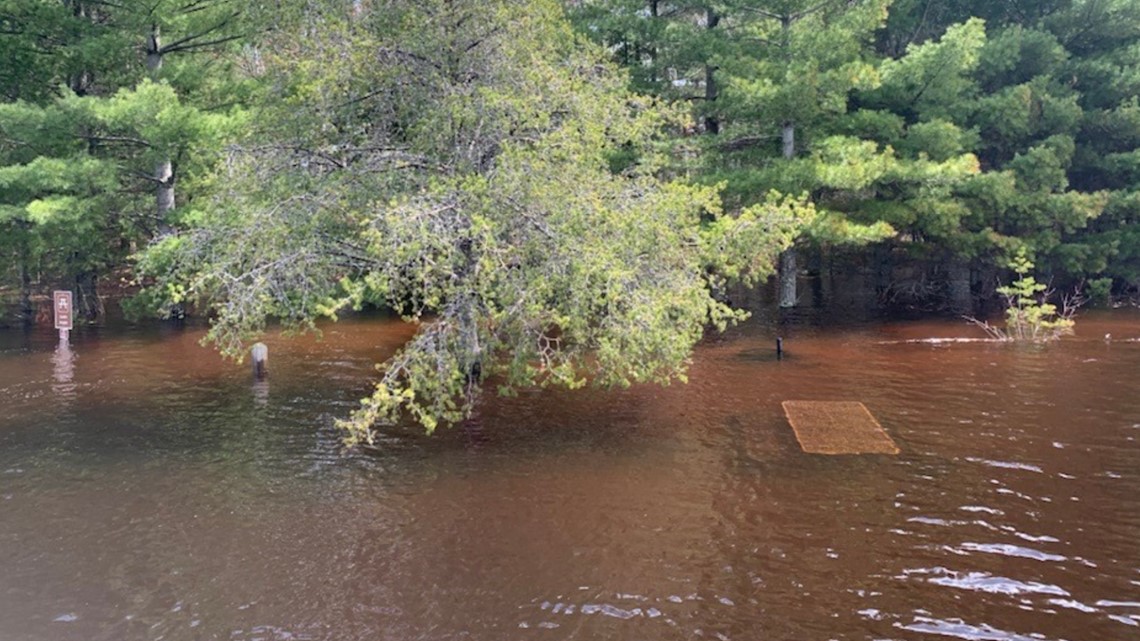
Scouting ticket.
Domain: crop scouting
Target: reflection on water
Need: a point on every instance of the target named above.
(150, 490)
(261, 392)
(63, 369)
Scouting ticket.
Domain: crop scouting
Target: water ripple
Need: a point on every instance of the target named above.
(1008, 465)
(960, 629)
(984, 582)
(1007, 549)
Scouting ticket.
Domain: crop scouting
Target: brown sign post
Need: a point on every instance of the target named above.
(64, 313)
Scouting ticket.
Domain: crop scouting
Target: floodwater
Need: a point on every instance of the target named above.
(148, 490)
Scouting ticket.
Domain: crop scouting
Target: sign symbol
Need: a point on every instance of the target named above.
(63, 320)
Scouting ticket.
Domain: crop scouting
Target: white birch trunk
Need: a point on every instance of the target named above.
(164, 168)
(788, 268)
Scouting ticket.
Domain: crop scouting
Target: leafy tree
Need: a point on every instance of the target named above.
(1029, 316)
(671, 49)
(52, 196)
(478, 168)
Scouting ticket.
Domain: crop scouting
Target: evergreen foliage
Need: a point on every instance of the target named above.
(953, 131)
(96, 130)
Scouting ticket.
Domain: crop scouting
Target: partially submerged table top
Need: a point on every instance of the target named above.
(837, 427)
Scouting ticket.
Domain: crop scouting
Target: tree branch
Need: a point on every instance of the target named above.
(183, 44)
(198, 45)
(745, 142)
(123, 139)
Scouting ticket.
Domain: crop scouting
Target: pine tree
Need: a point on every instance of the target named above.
(115, 125)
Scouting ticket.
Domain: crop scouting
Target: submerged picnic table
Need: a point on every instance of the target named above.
(837, 427)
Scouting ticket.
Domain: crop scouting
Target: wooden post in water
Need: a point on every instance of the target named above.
(779, 348)
(260, 355)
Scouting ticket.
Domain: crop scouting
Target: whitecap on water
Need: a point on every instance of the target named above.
(981, 508)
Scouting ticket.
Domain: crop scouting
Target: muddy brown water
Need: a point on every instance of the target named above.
(149, 490)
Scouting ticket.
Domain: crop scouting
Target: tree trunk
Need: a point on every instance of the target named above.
(788, 256)
(788, 278)
(164, 169)
(153, 51)
(87, 303)
(27, 312)
(815, 273)
(654, 15)
(81, 79)
(164, 175)
(712, 123)
(961, 297)
(881, 254)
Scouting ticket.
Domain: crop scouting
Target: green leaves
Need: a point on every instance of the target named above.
(1029, 316)
(153, 114)
(931, 80)
(743, 247)
(458, 165)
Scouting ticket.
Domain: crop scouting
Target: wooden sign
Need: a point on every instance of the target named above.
(64, 316)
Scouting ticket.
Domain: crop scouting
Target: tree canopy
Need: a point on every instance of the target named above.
(489, 176)
(954, 132)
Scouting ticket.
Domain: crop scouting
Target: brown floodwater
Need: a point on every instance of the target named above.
(149, 490)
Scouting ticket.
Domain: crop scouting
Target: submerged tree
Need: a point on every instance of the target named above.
(478, 168)
(1030, 316)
